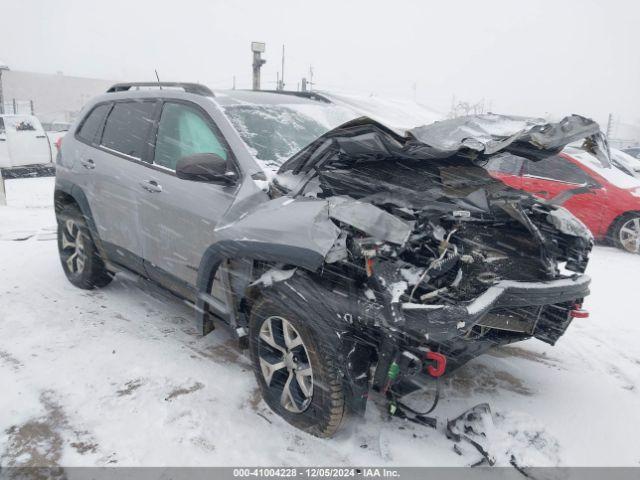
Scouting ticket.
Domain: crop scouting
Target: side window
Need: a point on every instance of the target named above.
(557, 168)
(92, 123)
(507, 164)
(184, 131)
(127, 127)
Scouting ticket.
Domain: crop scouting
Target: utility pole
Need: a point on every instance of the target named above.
(282, 76)
(609, 126)
(234, 83)
(3, 192)
(258, 49)
(304, 84)
(310, 83)
(3, 67)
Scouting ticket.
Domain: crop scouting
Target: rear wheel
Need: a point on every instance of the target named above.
(78, 254)
(626, 233)
(294, 362)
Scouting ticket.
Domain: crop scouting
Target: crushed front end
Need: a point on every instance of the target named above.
(458, 277)
(447, 261)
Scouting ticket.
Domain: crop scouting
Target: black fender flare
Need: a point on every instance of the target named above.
(244, 249)
(77, 194)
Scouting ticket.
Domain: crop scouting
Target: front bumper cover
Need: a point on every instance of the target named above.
(441, 323)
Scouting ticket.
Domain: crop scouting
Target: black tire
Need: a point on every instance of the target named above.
(616, 230)
(82, 264)
(326, 410)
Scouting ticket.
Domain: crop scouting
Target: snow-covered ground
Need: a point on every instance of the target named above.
(119, 376)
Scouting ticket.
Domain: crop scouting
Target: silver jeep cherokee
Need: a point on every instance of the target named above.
(346, 259)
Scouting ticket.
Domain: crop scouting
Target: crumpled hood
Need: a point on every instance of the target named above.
(490, 133)
(474, 136)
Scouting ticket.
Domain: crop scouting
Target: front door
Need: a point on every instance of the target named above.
(565, 183)
(179, 216)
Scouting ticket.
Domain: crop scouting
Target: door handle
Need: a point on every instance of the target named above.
(151, 186)
(541, 192)
(88, 164)
(41, 136)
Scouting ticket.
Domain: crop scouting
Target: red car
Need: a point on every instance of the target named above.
(606, 199)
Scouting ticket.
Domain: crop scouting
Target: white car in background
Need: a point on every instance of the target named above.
(626, 162)
(55, 131)
(23, 142)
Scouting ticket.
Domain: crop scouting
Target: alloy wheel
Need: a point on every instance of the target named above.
(629, 235)
(73, 251)
(285, 364)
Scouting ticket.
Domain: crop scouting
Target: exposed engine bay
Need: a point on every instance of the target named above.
(467, 230)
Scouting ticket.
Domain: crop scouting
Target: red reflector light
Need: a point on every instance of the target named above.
(579, 313)
(369, 266)
(438, 369)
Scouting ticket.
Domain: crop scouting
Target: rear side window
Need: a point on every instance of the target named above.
(557, 168)
(92, 123)
(127, 127)
(507, 164)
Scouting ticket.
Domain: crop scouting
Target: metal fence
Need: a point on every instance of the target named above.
(17, 107)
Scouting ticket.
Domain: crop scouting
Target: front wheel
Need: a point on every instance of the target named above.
(294, 362)
(626, 233)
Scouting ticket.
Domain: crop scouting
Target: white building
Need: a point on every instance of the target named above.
(625, 134)
(51, 97)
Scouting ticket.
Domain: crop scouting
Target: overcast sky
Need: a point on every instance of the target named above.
(523, 57)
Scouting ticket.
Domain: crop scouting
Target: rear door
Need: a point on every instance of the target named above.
(116, 167)
(179, 216)
(558, 179)
(26, 140)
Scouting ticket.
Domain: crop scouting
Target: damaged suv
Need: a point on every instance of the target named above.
(371, 259)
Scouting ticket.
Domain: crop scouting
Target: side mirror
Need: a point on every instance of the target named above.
(205, 167)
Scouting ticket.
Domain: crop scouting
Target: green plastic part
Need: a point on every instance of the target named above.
(394, 370)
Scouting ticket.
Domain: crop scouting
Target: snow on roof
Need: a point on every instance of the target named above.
(395, 113)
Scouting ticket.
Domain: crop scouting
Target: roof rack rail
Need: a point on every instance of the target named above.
(296, 93)
(187, 87)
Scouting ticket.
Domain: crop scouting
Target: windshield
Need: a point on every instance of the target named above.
(612, 174)
(276, 132)
(625, 159)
